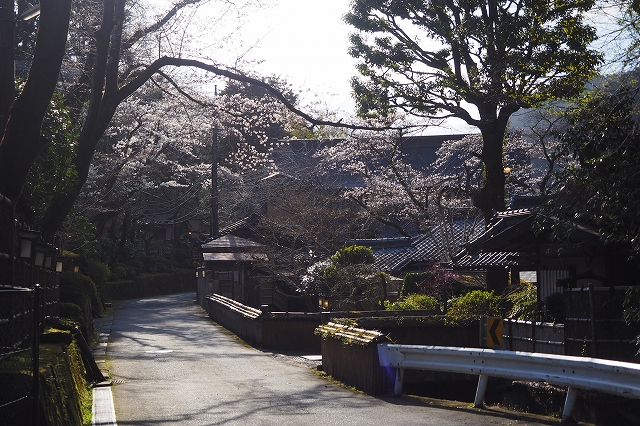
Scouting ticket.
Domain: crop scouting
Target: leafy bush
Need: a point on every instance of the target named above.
(411, 281)
(413, 301)
(353, 255)
(136, 266)
(80, 290)
(472, 306)
(98, 272)
(121, 271)
(70, 311)
(525, 302)
(150, 264)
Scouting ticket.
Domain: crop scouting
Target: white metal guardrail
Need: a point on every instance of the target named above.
(613, 377)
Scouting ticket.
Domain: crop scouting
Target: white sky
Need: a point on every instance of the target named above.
(306, 42)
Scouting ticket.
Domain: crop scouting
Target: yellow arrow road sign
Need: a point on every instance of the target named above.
(494, 332)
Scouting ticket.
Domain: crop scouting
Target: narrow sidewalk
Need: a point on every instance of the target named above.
(103, 411)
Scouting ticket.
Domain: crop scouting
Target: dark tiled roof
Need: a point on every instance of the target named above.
(512, 240)
(394, 255)
(245, 223)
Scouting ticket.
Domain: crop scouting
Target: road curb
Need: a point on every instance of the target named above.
(102, 410)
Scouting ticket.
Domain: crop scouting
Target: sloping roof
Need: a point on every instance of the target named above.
(245, 223)
(396, 254)
(512, 240)
(229, 244)
(511, 229)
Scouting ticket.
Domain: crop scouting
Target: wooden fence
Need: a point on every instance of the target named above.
(531, 336)
(594, 326)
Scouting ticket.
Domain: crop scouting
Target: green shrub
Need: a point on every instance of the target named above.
(70, 311)
(183, 258)
(80, 290)
(353, 255)
(135, 266)
(525, 302)
(472, 306)
(98, 272)
(151, 285)
(411, 281)
(150, 264)
(412, 302)
(121, 271)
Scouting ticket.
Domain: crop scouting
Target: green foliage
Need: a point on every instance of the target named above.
(601, 190)
(472, 306)
(98, 272)
(80, 290)
(349, 280)
(53, 171)
(525, 302)
(412, 280)
(80, 237)
(121, 271)
(413, 301)
(509, 54)
(353, 255)
(70, 311)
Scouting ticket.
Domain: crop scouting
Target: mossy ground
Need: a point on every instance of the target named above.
(65, 395)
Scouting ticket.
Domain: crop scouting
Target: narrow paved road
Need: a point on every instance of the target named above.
(173, 366)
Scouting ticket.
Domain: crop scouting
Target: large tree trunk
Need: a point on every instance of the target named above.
(490, 198)
(21, 140)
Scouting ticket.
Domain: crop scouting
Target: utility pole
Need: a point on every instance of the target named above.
(214, 182)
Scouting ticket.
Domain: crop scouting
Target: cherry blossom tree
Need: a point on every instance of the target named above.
(392, 190)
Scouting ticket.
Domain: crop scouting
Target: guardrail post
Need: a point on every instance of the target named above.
(397, 387)
(569, 403)
(480, 391)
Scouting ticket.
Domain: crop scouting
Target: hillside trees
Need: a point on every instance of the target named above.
(475, 61)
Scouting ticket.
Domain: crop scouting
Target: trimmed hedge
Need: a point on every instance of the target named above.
(79, 290)
(148, 285)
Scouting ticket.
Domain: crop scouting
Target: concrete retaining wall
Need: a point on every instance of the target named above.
(266, 330)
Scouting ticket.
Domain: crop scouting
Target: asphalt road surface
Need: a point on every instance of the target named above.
(172, 365)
